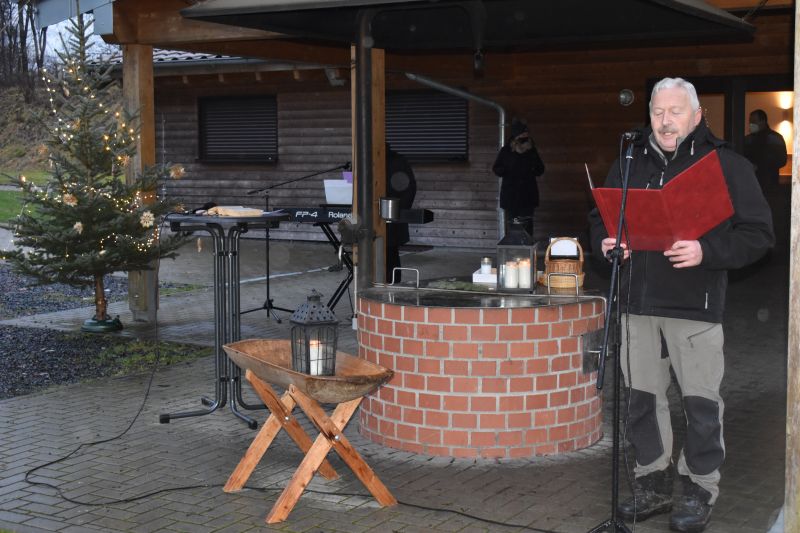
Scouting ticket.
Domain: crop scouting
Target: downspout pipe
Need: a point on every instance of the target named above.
(366, 254)
(501, 215)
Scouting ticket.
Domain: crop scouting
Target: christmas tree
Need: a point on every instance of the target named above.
(87, 222)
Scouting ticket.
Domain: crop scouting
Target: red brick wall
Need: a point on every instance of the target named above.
(480, 382)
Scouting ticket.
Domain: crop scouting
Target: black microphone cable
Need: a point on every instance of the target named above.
(139, 411)
(146, 495)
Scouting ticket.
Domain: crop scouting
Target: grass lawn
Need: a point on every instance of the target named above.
(10, 200)
(9, 177)
(10, 205)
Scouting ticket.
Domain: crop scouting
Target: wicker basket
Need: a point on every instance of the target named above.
(572, 269)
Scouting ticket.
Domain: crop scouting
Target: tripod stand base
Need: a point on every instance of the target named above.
(270, 309)
(612, 525)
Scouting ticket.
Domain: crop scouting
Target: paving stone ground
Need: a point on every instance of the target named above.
(567, 493)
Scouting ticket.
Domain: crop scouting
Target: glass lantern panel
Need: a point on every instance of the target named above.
(516, 267)
(314, 350)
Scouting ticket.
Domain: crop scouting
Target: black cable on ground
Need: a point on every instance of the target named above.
(156, 361)
(66, 498)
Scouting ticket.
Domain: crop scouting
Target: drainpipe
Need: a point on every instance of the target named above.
(501, 215)
(366, 255)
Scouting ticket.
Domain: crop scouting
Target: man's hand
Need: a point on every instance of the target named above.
(609, 242)
(685, 254)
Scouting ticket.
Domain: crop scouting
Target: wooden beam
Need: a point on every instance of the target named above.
(353, 137)
(379, 155)
(791, 504)
(160, 23)
(737, 5)
(137, 90)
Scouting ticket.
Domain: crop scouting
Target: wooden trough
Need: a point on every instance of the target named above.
(271, 361)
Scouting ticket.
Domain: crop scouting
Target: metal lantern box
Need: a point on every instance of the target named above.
(314, 338)
(516, 261)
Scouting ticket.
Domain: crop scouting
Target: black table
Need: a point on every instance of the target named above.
(225, 233)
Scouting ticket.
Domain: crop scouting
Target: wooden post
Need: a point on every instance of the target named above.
(374, 119)
(353, 140)
(379, 158)
(791, 504)
(137, 90)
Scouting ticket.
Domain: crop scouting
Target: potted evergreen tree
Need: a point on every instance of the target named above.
(86, 222)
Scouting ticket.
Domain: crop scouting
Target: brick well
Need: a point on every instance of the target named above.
(481, 382)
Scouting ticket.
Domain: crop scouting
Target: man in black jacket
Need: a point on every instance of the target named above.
(519, 164)
(677, 297)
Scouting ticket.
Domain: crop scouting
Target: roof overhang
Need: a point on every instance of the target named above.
(482, 24)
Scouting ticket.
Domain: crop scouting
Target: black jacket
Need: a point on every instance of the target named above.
(695, 293)
(767, 151)
(519, 191)
(400, 183)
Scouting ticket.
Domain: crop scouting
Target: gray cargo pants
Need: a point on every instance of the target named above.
(695, 354)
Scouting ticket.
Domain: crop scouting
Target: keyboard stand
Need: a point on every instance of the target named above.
(347, 260)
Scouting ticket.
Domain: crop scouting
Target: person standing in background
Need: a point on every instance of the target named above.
(519, 164)
(766, 149)
(400, 183)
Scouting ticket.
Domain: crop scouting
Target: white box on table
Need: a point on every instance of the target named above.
(486, 279)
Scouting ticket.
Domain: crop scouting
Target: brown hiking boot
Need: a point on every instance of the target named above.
(692, 511)
(652, 495)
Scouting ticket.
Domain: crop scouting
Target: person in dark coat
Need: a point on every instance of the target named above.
(400, 183)
(766, 149)
(677, 297)
(519, 164)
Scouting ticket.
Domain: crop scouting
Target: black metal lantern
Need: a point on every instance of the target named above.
(314, 338)
(516, 260)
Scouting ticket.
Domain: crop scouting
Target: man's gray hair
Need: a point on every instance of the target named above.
(669, 83)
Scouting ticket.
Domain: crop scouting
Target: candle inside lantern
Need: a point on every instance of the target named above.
(511, 278)
(524, 273)
(314, 358)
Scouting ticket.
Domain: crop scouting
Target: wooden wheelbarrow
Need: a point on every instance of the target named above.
(267, 363)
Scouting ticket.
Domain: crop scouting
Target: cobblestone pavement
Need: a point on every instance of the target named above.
(566, 493)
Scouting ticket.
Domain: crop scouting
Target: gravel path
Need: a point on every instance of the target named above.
(32, 358)
(20, 296)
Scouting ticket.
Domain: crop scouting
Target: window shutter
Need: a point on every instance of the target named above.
(427, 126)
(239, 129)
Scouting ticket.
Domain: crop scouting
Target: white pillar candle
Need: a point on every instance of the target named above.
(524, 273)
(315, 358)
(486, 265)
(511, 279)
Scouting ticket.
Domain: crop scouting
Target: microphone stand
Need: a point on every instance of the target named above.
(268, 305)
(615, 524)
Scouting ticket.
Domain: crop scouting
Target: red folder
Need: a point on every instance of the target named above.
(688, 206)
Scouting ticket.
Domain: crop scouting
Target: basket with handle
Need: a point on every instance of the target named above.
(566, 273)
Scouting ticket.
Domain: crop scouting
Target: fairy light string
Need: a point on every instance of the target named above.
(86, 220)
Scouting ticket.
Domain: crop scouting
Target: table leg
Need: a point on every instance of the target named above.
(221, 377)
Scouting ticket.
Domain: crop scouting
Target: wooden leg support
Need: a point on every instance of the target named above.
(330, 436)
(280, 418)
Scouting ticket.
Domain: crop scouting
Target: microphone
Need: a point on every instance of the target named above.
(633, 135)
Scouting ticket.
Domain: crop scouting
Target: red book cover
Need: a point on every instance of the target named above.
(688, 206)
